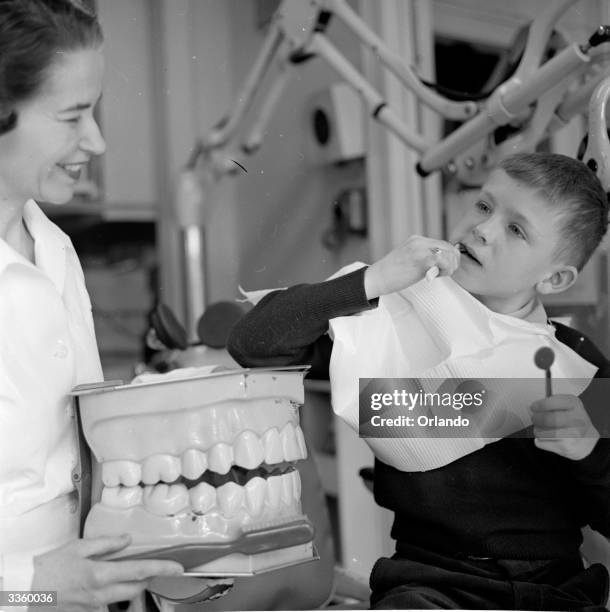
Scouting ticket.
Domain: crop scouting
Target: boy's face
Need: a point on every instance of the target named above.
(508, 237)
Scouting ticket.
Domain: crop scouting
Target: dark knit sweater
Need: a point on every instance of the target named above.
(508, 500)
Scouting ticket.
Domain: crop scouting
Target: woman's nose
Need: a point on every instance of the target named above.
(92, 140)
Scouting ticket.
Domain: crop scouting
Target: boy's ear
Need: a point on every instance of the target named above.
(557, 281)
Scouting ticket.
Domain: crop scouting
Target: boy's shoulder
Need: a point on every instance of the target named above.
(582, 345)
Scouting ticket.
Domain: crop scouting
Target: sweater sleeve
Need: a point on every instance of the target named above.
(288, 327)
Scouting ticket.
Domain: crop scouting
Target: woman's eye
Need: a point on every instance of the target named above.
(482, 206)
(72, 119)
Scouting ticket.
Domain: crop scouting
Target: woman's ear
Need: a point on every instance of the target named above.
(557, 281)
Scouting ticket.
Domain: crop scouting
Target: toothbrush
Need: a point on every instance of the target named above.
(253, 539)
(434, 271)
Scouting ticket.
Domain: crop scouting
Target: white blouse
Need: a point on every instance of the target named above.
(47, 346)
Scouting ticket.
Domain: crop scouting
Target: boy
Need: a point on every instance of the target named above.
(499, 527)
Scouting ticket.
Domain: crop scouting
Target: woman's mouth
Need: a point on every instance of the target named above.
(72, 170)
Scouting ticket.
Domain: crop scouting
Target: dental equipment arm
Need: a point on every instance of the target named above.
(537, 99)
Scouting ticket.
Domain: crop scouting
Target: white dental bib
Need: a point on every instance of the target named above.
(190, 462)
(436, 333)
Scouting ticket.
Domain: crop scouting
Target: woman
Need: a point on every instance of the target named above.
(51, 69)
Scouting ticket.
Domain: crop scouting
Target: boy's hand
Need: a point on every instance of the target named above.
(562, 426)
(408, 264)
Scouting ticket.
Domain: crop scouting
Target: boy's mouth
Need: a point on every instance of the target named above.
(468, 252)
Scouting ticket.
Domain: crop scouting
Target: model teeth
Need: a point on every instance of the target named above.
(203, 497)
(302, 446)
(258, 493)
(255, 495)
(289, 443)
(296, 484)
(274, 492)
(156, 483)
(220, 458)
(164, 500)
(287, 494)
(273, 446)
(122, 497)
(230, 497)
(115, 473)
(249, 451)
(194, 463)
(165, 468)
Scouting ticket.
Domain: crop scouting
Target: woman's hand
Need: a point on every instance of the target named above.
(84, 584)
(408, 264)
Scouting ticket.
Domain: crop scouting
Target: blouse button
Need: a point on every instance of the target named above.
(61, 349)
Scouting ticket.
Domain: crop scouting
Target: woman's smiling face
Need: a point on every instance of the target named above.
(56, 133)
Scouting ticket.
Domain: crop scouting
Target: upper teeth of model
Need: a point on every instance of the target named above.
(156, 483)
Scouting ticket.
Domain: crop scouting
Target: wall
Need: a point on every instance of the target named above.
(263, 228)
(284, 201)
(129, 187)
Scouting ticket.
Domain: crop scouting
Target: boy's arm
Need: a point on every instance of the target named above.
(288, 327)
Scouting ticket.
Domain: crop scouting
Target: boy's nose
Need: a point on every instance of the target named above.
(484, 232)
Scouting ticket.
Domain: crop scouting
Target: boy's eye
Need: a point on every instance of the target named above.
(72, 119)
(483, 206)
(516, 230)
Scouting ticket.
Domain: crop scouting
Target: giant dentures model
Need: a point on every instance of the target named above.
(200, 468)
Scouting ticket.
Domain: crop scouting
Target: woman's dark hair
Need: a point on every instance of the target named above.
(573, 191)
(32, 32)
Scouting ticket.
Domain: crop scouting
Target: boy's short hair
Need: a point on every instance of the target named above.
(571, 189)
